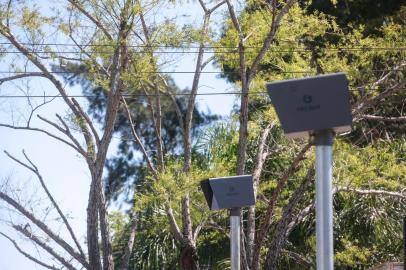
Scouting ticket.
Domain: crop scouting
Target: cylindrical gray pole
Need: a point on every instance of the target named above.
(324, 201)
(235, 238)
(404, 243)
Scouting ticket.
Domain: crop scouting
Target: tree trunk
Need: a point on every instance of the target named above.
(189, 258)
(92, 229)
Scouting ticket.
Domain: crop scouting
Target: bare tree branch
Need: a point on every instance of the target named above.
(368, 100)
(208, 60)
(173, 224)
(138, 140)
(382, 118)
(34, 108)
(28, 256)
(70, 135)
(187, 141)
(279, 237)
(10, 37)
(35, 170)
(23, 75)
(234, 19)
(88, 121)
(67, 132)
(44, 246)
(203, 5)
(76, 4)
(62, 243)
(263, 230)
(269, 39)
(375, 192)
(34, 60)
(216, 6)
(130, 243)
(300, 217)
(260, 160)
(42, 131)
(299, 259)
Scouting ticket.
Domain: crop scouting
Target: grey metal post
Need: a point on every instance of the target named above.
(404, 243)
(324, 200)
(235, 238)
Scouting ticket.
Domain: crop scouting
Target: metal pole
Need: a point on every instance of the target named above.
(324, 201)
(235, 238)
(404, 243)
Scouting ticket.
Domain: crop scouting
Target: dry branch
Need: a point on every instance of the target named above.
(138, 140)
(44, 132)
(383, 118)
(44, 246)
(79, 6)
(35, 170)
(260, 160)
(27, 255)
(62, 243)
(280, 236)
(20, 76)
(263, 231)
(173, 224)
(375, 192)
(130, 243)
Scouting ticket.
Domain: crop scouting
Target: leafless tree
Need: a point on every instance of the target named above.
(91, 144)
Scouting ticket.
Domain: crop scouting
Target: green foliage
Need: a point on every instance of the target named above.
(317, 37)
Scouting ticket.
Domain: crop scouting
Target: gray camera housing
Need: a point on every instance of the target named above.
(307, 105)
(229, 192)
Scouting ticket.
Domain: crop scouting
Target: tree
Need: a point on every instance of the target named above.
(90, 143)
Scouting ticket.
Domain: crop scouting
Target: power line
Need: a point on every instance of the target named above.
(179, 72)
(205, 47)
(234, 51)
(155, 95)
